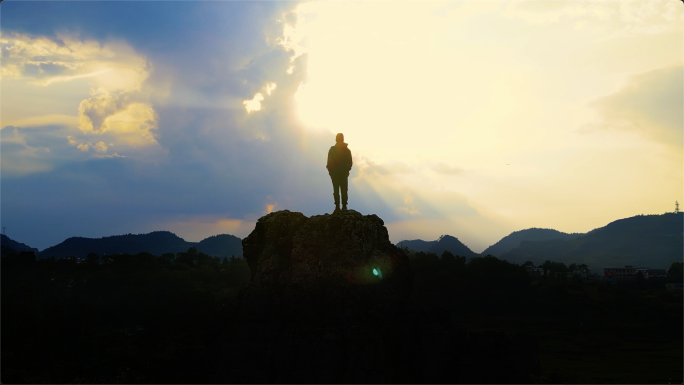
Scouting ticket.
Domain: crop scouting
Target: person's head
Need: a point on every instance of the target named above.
(339, 138)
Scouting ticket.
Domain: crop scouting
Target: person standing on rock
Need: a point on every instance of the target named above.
(339, 164)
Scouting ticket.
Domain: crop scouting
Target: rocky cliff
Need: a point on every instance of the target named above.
(327, 305)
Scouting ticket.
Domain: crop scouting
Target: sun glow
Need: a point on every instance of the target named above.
(390, 87)
(481, 101)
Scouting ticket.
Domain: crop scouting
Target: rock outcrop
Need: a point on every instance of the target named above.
(327, 304)
(331, 268)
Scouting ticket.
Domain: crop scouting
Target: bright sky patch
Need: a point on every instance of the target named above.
(470, 118)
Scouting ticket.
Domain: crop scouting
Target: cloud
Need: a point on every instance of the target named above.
(545, 12)
(292, 37)
(254, 104)
(85, 147)
(206, 169)
(43, 61)
(409, 208)
(396, 191)
(35, 150)
(18, 157)
(44, 120)
(119, 104)
(369, 168)
(651, 104)
(100, 147)
(130, 122)
(442, 168)
(94, 111)
(114, 155)
(628, 17)
(61, 79)
(270, 87)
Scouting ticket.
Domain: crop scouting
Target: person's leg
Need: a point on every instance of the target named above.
(336, 190)
(343, 187)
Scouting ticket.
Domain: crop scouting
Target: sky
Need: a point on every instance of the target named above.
(468, 118)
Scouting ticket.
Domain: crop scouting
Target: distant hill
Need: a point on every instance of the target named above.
(417, 245)
(157, 243)
(445, 242)
(10, 246)
(514, 239)
(222, 245)
(645, 240)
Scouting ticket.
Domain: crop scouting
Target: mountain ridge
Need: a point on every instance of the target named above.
(443, 243)
(156, 242)
(9, 245)
(654, 241)
(643, 240)
(535, 234)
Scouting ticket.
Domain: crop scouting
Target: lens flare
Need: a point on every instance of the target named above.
(375, 272)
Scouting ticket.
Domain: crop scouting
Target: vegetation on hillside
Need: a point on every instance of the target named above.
(129, 319)
(148, 319)
(633, 328)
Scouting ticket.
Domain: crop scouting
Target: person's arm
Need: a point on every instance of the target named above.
(329, 156)
(349, 160)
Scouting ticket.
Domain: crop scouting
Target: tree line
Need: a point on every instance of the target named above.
(144, 318)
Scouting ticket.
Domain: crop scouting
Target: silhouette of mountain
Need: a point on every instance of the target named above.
(534, 234)
(445, 242)
(9, 245)
(452, 244)
(417, 245)
(645, 240)
(156, 242)
(222, 245)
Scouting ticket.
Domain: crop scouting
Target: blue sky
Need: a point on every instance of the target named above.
(211, 51)
(473, 119)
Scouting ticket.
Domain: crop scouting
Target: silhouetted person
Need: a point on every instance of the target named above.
(339, 164)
